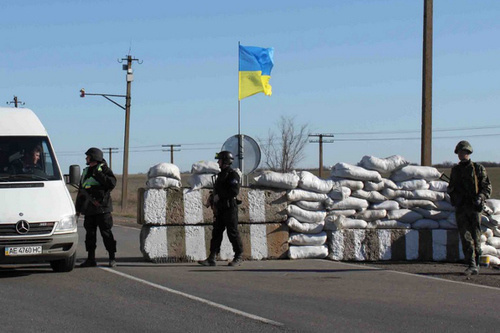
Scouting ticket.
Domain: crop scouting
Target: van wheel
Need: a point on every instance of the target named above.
(64, 265)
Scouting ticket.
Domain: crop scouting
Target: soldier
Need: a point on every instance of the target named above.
(94, 201)
(469, 187)
(225, 206)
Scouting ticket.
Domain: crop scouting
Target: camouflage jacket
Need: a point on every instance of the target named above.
(465, 188)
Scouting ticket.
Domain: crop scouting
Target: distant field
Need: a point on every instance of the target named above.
(137, 181)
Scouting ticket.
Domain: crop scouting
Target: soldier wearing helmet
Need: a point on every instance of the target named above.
(226, 189)
(94, 201)
(469, 187)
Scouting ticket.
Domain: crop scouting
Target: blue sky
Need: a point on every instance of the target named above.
(347, 67)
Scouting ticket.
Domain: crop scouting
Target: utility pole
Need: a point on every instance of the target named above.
(426, 145)
(110, 151)
(129, 78)
(171, 150)
(321, 141)
(16, 102)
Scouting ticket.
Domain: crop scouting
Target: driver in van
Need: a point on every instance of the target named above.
(29, 162)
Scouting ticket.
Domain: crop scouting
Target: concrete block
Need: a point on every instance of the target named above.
(394, 244)
(185, 206)
(169, 243)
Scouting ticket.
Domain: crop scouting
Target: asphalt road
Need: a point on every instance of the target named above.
(269, 296)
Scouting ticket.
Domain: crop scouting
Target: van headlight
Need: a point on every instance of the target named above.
(66, 224)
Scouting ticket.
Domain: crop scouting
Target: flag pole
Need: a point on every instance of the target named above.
(240, 136)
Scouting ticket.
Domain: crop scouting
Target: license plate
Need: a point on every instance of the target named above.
(23, 250)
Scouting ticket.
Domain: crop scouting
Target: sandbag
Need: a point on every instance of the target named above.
(494, 241)
(372, 196)
(386, 205)
(303, 195)
(202, 180)
(310, 182)
(343, 212)
(350, 203)
(305, 216)
(388, 224)
(415, 172)
(487, 234)
(438, 185)
(205, 167)
(385, 183)
(350, 183)
(493, 205)
(164, 169)
(308, 228)
(494, 220)
(388, 164)
(307, 252)
(307, 239)
(432, 214)
(310, 205)
(273, 179)
(340, 222)
(412, 203)
(425, 224)
(371, 214)
(404, 215)
(413, 184)
(444, 205)
(349, 171)
(339, 193)
(488, 250)
(445, 224)
(163, 182)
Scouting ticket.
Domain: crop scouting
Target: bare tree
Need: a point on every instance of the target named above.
(283, 151)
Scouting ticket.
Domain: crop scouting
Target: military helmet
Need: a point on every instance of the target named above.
(463, 145)
(95, 154)
(225, 156)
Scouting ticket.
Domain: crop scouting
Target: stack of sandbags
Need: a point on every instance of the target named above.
(306, 217)
(203, 174)
(164, 175)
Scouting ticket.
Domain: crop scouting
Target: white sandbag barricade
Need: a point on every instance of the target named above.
(164, 175)
(203, 174)
(355, 214)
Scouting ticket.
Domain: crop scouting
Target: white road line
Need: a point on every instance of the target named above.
(195, 298)
(425, 276)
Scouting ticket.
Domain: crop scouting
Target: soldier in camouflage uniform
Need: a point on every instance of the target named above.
(469, 187)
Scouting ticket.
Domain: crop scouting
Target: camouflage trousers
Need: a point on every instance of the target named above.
(469, 227)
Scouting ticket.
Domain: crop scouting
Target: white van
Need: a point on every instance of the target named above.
(37, 214)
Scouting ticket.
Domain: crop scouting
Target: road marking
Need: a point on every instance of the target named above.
(195, 298)
(424, 276)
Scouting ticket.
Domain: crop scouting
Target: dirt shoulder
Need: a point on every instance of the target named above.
(450, 271)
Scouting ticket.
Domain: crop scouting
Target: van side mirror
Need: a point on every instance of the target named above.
(74, 174)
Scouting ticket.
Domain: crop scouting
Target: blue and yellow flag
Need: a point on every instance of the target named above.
(255, 66)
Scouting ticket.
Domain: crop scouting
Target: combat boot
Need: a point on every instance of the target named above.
(210, 261)
(236, 262)
(471, 270)
(88, 263)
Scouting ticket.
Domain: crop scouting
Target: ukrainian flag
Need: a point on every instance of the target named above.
(255, 66)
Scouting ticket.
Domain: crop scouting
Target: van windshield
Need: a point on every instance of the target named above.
(27, 158)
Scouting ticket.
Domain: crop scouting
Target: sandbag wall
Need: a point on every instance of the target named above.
(357, 214)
